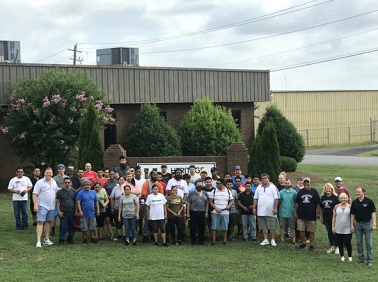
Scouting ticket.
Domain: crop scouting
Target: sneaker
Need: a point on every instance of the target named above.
(302, 246)
(233, 238)
(282, 243)
(224, 243)
(156, 244)
(61, 243)
(312, 248)
(369, 263)
(294, 244)
(308, 241)
(94, 241)
(273, 242)
(360, 262)
(350, 259)
(165, 245)
(213, 244)
(38, 245)
(264, 243)
(127, 243)
(85, 241)
(337, 251)
(134, 243)
(342, 259)
(112, 238)
(119, 237)
(330, 251)
(47, 242)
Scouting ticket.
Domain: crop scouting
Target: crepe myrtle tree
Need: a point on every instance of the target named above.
(43, 121)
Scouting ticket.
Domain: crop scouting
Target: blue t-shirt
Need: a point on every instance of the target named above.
(87, 200)
(287, 203)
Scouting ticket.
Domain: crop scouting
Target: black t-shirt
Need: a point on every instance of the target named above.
(247, 201)
(327, 204)
(109, 185)
(166, 177)
(280, 187)
(307, 201)
(362, 210)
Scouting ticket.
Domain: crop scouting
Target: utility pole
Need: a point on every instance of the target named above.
(80, 60)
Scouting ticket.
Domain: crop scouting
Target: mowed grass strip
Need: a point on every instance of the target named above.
(239, 261)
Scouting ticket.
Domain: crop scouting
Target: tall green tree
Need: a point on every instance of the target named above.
(90, 145)
(269, 155)
(207, 130)
(255, 156)
(43, 122)
(291, 142)
(151, 136)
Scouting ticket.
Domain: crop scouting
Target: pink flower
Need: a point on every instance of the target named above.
(22, 135)
(21, 101)
(62, 141)
(81, 97)
(46, 102)
(56, 98)
(4, 130)
(13, 96)
(109, 109)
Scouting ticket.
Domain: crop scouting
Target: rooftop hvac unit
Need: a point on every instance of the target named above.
(1, 59)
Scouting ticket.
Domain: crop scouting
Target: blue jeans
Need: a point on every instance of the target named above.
(130, 227)
(364, 229)
(21, 208)
(248, 219)
(67, 223)
(331, 236)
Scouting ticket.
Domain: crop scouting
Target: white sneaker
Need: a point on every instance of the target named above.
(47, 242)
(337, 251)
(273, 242)
(265, 242)
(342, 258)
(38, 245)
(350, 259)
(330, 251)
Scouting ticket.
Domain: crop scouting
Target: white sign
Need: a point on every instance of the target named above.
(171, 167)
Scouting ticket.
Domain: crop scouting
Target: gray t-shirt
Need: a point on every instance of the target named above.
(342, 223)
(60, 180)
(198, 202)
(235, 196)
(128, 205)
(67, 199)
(116, 196)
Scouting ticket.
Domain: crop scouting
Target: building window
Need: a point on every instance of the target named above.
(236, 114)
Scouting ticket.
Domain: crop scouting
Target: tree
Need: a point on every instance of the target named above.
(90, 145)
(43, 122)
(269, 155)
(254, 156)
(290, 141)
(207, 130)
(151, 136)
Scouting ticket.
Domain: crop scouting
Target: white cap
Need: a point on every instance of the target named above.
(338, 178)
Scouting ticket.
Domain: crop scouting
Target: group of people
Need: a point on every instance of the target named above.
(165, 202)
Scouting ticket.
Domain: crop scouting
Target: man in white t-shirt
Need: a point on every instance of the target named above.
(266, 198)
(182, 187)
(221, 201)
(20, 186)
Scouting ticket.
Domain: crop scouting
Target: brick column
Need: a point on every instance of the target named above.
(237, 154)
(112, 154)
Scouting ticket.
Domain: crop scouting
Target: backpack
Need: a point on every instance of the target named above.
(229, 198)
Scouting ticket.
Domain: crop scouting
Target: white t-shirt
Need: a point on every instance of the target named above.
(20, 184)
(156, 204)
(46, 193)
(140, 182)
(221, 199)
(182, 187)
(266, 197)
(194, 177)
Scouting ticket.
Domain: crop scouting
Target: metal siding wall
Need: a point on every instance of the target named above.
(162, 85)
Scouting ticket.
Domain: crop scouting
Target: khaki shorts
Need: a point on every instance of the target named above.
(309, 225)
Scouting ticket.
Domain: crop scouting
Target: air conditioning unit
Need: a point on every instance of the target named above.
(1, 59)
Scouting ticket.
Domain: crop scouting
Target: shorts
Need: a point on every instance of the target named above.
(32, 207)
(156, 225)
(233, 219)
(87, 224)
(306, 225)
(287, 222)
(219, 219)
(101, 219)
(44, 214)
(267, 222)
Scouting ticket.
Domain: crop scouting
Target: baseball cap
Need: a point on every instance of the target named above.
(61, 166)
(306, 179)
(237, 167)
(338, 178)
(213, 169)
(203, 170)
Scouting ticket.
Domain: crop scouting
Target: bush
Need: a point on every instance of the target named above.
(207, 130)
(151, 136)
(290, 141)
(269, 155)
(288, 164)
(90, 145)
(254, 156)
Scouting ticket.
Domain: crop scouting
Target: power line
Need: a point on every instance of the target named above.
(260, 38)
(304, 64)
(295, 49)
(248, 21)
(65, 49)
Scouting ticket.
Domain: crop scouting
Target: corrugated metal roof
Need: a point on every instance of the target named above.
(134, 85)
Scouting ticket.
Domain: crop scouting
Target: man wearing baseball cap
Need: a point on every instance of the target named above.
(339, 188)
(238, 172)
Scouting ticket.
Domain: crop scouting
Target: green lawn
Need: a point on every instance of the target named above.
(239, 261)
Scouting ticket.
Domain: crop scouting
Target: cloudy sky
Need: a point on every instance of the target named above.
(278, 35)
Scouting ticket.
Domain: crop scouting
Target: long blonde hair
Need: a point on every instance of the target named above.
(330, 186)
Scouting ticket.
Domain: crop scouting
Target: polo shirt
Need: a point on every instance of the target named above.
(247, 201)
(46, 193)
(287, 203)
(266, 197)
(362, 210)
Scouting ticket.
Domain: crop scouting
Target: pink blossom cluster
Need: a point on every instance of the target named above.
(4, 130)
(81, 96)
(109, 109)
(56, 98)
(46, 102)
(22, 135)
(62, 141)
(98, 105)
(21, 101)
(13, 96)
(15, 107)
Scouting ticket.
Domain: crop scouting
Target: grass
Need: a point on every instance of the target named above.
(239, 261)
(373, 153)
